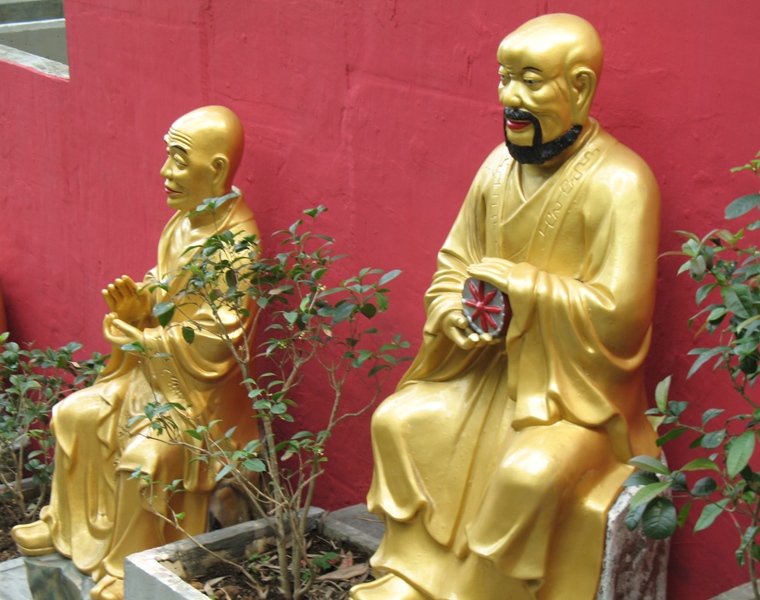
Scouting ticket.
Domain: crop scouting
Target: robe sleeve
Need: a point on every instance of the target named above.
(582, 323)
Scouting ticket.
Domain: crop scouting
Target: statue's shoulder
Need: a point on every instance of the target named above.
(622, 172)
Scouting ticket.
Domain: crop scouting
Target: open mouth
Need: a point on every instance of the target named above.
(170, 192)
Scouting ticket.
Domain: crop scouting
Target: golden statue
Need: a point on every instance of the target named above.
(497, 458)
(98, 514)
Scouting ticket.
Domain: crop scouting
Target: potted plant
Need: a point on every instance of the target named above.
(313, 327)
(721, 479)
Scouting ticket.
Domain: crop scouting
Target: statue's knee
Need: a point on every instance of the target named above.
(78, 409)
(531, 478)
(385, 419)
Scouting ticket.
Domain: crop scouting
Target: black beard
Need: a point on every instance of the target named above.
(537, 153)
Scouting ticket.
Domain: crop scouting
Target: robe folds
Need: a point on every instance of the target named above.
(494, 467)
(97, 515)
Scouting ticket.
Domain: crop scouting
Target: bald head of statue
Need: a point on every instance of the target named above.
(204, 149)
(549, 71)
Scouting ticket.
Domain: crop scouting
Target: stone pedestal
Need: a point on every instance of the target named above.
(634, 566)
(53, 577)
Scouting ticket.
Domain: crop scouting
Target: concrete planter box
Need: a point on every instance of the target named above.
(161, 572)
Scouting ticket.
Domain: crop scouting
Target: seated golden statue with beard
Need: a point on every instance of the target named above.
(498, 457)
(98, 514)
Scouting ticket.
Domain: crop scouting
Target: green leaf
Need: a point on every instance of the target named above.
(710, 414)
(740, 452)
(738, 299)
(647, 463)
(343, 311)
(163, 311)
(705, 354)
(640, 478)
(704, 487)
(709, 513)
(255, 464)
(193, 433)
(704, 291)
(700, 463)
(671, 435)
(713, 439)
(683, 514)
(659, 519)
(742, 206)
(390, 275)
(748, 539)
(633, 516)
(368, 310)
(188, 333)
(134, 347)
(661, 393)
(648, 492)
(223, 473)
(279, 408)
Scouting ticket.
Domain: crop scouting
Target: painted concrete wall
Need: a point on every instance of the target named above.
(382, 110)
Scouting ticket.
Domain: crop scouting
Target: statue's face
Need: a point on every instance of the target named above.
(534, 82)
(188, 173)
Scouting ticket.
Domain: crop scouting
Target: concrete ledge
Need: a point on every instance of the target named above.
(13, 585)
(32, 61)
(742, 592)
(53, 577)
(355, 525)
(160, 573)
(42, 38)
(12, 11)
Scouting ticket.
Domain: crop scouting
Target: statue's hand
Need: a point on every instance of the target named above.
(118, 332)
(130, 304)
(494, 271)
(456, 328)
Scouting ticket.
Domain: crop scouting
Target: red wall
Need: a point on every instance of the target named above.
(382, 110)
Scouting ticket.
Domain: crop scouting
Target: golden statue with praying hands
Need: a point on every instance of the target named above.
(499, 455)
(98, 514)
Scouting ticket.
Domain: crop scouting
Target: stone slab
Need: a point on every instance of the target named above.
(160, 573)
(32, 61)
(356, 525)
(12, 11)
(41, 38)
(53, 577)
(742, 592)
(13, 585)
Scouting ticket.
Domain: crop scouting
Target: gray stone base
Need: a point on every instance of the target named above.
(53, 577)
(742, 592)
(634, 566)
(13, 585)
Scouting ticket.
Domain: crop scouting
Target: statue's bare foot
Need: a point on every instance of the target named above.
(108, 588)
(388, 587)
(33, 539)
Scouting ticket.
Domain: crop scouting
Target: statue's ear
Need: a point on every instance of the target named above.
(221, 167)
(583, 83)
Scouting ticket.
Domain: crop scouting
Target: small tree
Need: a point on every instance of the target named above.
(727, 267)
(306, 322)
(32, 381)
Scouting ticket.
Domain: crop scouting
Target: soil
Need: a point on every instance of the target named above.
(348, 567)
(8, 520)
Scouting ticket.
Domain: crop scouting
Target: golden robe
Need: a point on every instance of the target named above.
(494, 467)
(97, 515)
